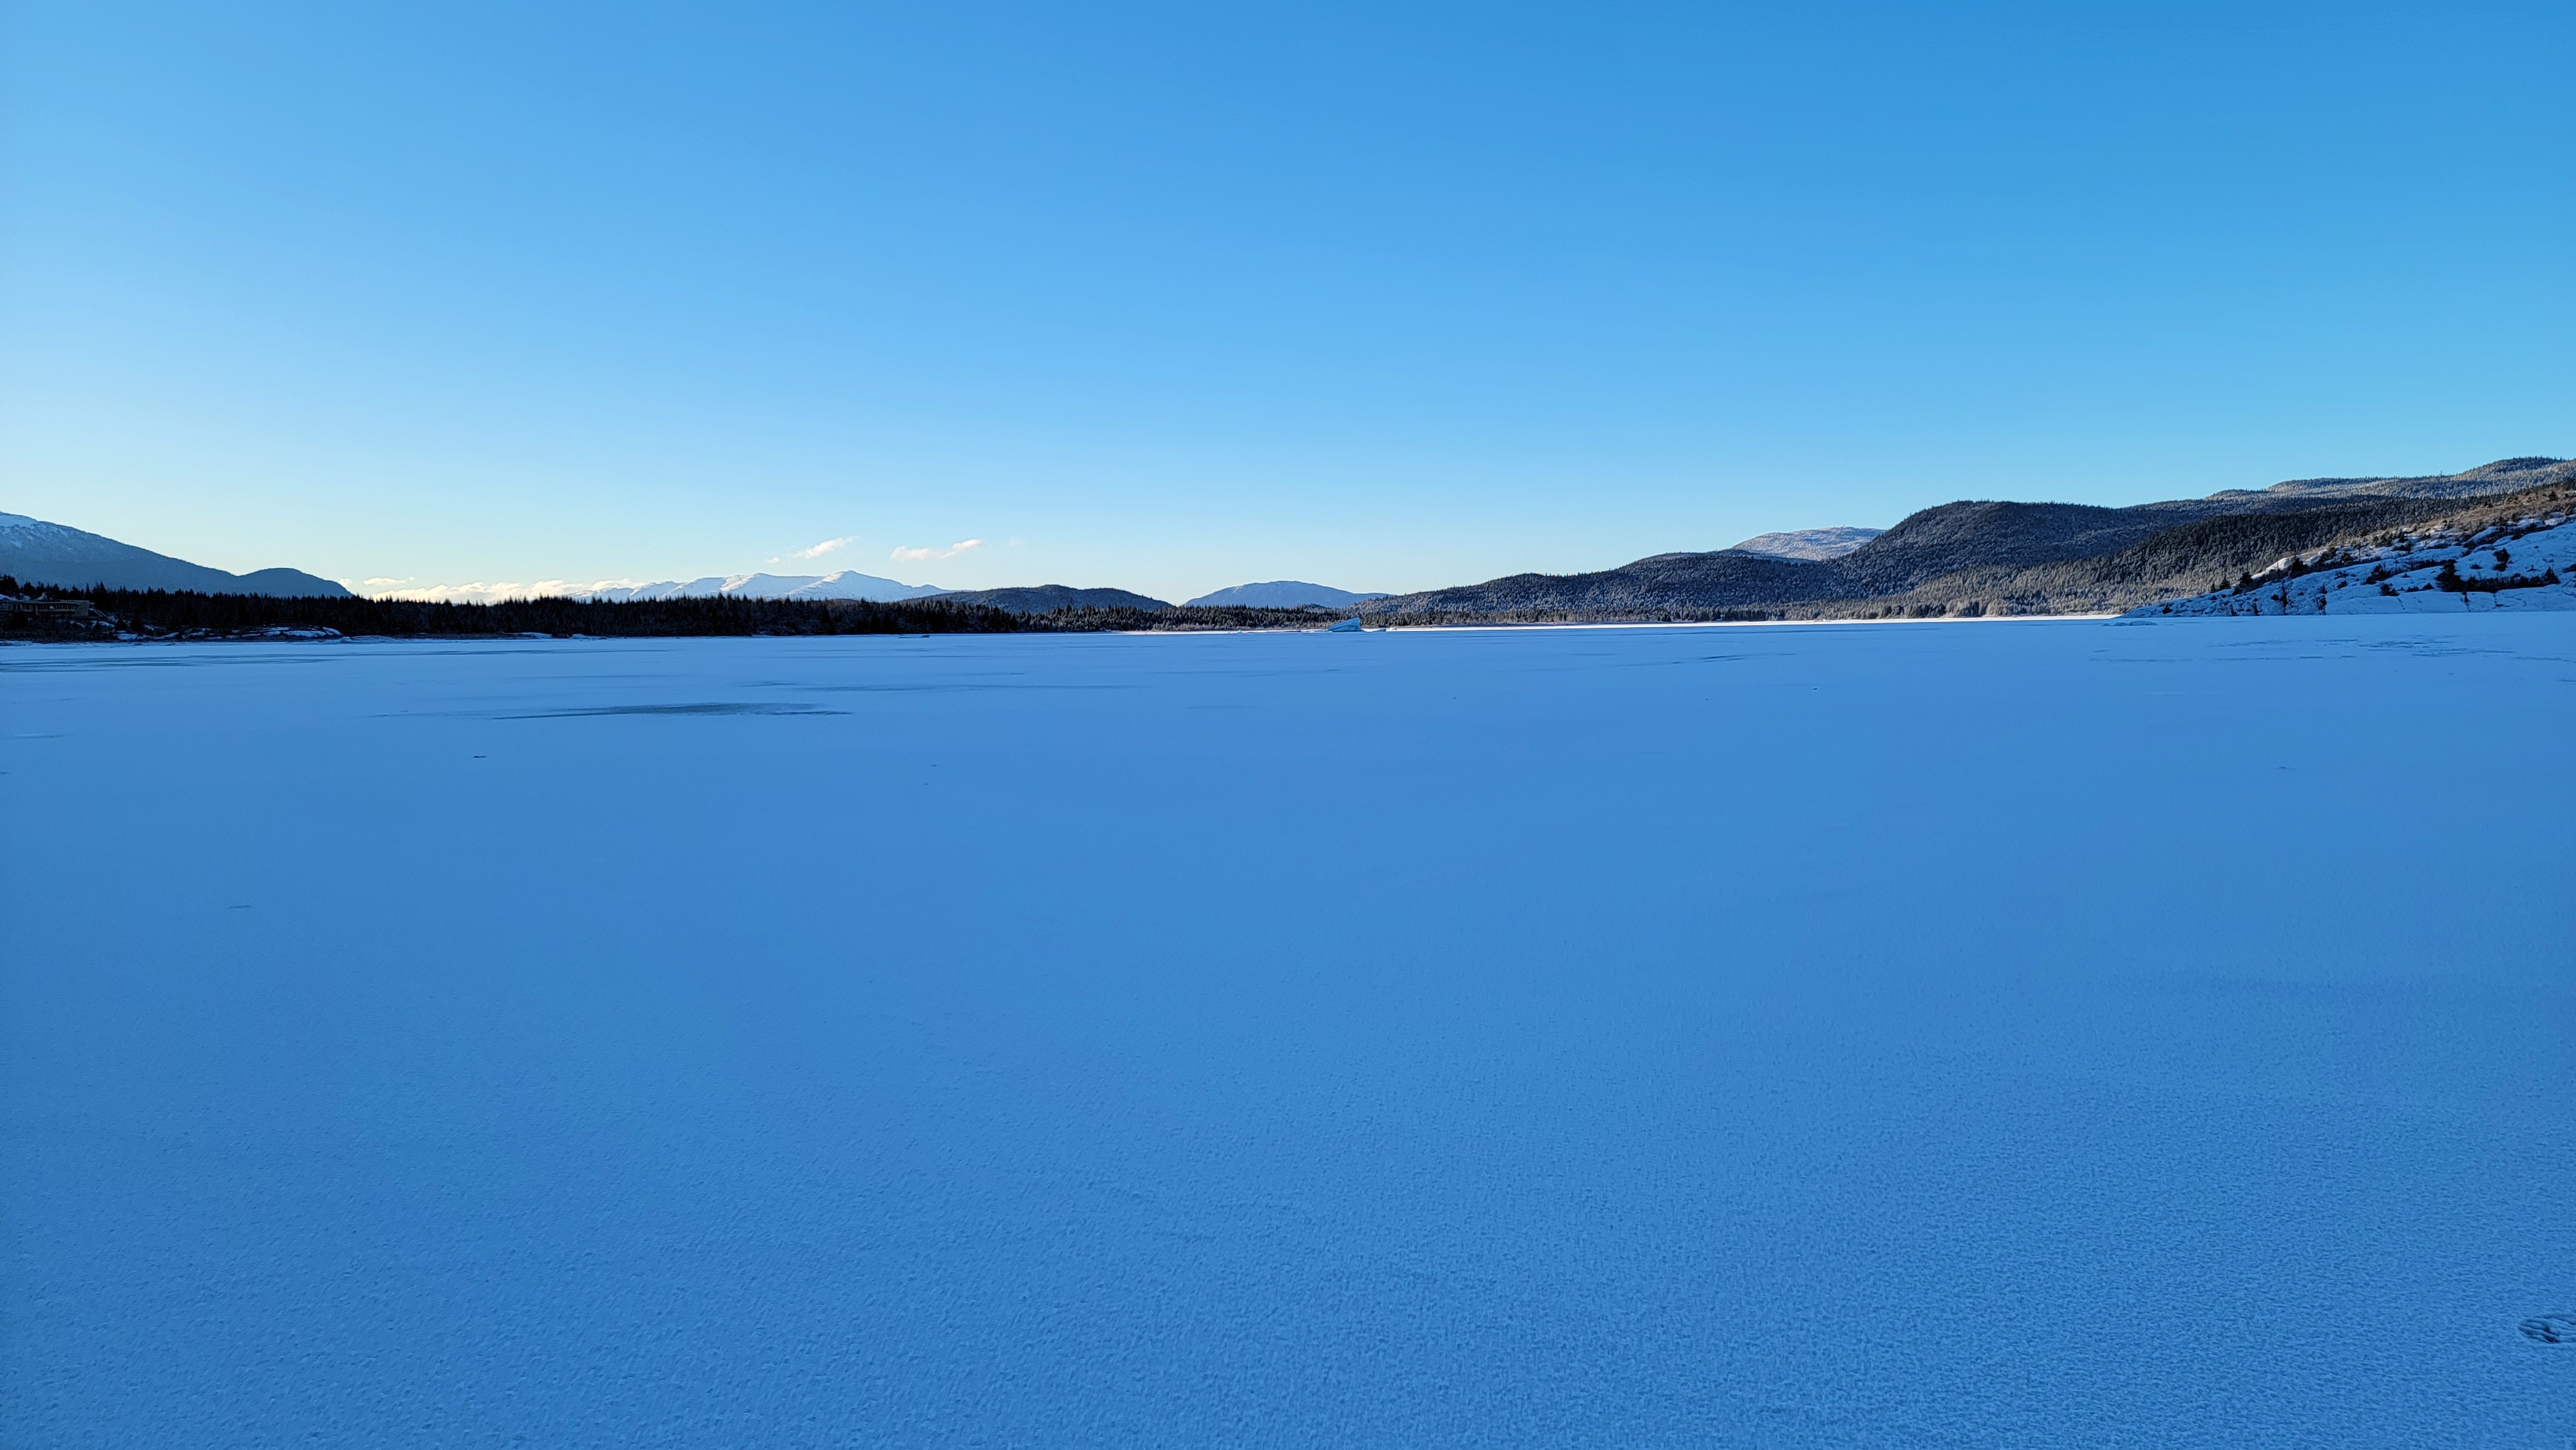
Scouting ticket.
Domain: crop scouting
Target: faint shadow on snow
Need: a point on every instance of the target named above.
(715, 708)
(943, 688)
(137, 660)
(2551, 1328)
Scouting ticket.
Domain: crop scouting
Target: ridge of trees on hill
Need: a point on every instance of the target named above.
(163, 614)
(2217, 553)
(2195, 553)
(2032, 576)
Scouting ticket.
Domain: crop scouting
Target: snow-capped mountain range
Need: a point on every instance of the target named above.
(841, 584)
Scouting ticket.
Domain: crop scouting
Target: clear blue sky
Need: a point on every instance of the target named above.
(1179, 296)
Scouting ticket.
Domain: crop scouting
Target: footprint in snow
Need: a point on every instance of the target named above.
(2551, 1328)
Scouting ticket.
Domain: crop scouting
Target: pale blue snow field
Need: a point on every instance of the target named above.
(2001, 1034)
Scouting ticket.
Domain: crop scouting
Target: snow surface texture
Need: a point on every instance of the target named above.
(2009, 1034)
(1808, 543)
(2527, 565)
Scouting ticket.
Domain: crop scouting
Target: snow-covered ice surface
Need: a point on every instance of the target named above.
(1993, 1034)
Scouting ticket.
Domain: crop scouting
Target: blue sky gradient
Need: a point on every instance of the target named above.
(1173, 297)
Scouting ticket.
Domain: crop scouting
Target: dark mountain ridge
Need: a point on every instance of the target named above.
(1995, 555)
(1047, 598)
(44, 553)
(2502, 476)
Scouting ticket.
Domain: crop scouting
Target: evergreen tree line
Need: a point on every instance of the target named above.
(2452, 581)
(160, 613)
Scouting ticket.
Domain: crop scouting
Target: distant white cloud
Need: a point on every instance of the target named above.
(375, 584)
(825, 547)
(915, 556)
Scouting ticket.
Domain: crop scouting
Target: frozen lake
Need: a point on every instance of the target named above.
(1977, 1034)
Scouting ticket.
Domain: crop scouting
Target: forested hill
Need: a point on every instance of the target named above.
(2505, 475)
(1987, 557)
(1048, 598)
(1975, 557)
(74, 558)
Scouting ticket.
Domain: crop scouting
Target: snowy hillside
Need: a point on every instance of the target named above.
(2523, 564)
(1281, 594)
(1830, 543)
(38, 552)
